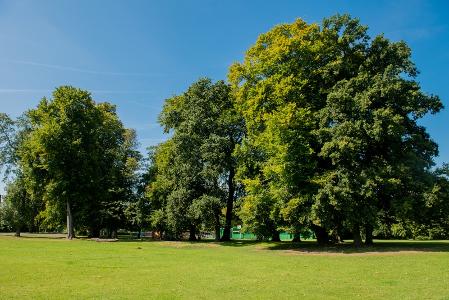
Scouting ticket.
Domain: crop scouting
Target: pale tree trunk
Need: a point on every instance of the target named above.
(70, 230)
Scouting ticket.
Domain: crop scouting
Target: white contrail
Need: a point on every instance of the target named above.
(120, 91)
(8, 91)
(74, 69)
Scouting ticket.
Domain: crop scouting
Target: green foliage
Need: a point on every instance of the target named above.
(194, 168)
(318, 130)
(78, 155)
(12, 134)
(158, 220)
(332, 129)
(206, 211)
(16, 209)
(370, 133)
(8, 143)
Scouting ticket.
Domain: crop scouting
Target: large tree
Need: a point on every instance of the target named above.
(71, 156)
(370, 133)
(331, 116)
(199, 166)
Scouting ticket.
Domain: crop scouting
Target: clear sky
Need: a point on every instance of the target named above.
(136, 53)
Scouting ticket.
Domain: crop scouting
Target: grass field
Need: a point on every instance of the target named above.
(54, 268)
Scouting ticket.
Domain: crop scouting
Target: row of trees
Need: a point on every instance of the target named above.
(316, 131)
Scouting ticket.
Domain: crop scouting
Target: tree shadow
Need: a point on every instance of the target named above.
(383, 246)
(303, 247)
(311, 247)
(205, 242)
(26, 235)
(238, 243)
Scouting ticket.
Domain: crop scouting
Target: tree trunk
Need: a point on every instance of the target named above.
(336, 238)
(296, 237)
(275, 237)
(33, 228)
(70, 230)
(17, 233)
(229, 206)
(94, 232)
(322, 237)
(356, 236)
(192, 234)
(368, 235)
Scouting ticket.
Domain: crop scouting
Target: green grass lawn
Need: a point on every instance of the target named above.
(50, 268)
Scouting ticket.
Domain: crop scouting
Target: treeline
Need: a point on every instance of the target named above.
(317, 130)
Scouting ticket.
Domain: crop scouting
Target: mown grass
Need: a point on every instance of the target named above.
(49, 268)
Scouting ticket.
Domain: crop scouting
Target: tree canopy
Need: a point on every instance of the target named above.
(78, 159)
(197, 165)
(317, 132)
(333, 134)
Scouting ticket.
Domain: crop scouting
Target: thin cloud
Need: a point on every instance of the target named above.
(10, 91)
(121, 92)
(79, 70)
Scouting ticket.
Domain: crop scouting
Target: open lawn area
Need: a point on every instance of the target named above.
(54, 268)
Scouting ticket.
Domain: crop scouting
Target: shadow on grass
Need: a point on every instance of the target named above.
(312, 247)
(238, 243)
(27, 235)
(206, 242)
(381, 246)
(306, 247)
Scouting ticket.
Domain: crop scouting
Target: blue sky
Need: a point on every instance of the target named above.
(136, 53)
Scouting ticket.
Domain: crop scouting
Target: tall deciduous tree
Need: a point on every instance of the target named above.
(70, 155)
(331, 116)
(370, 133)
(200, 165)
